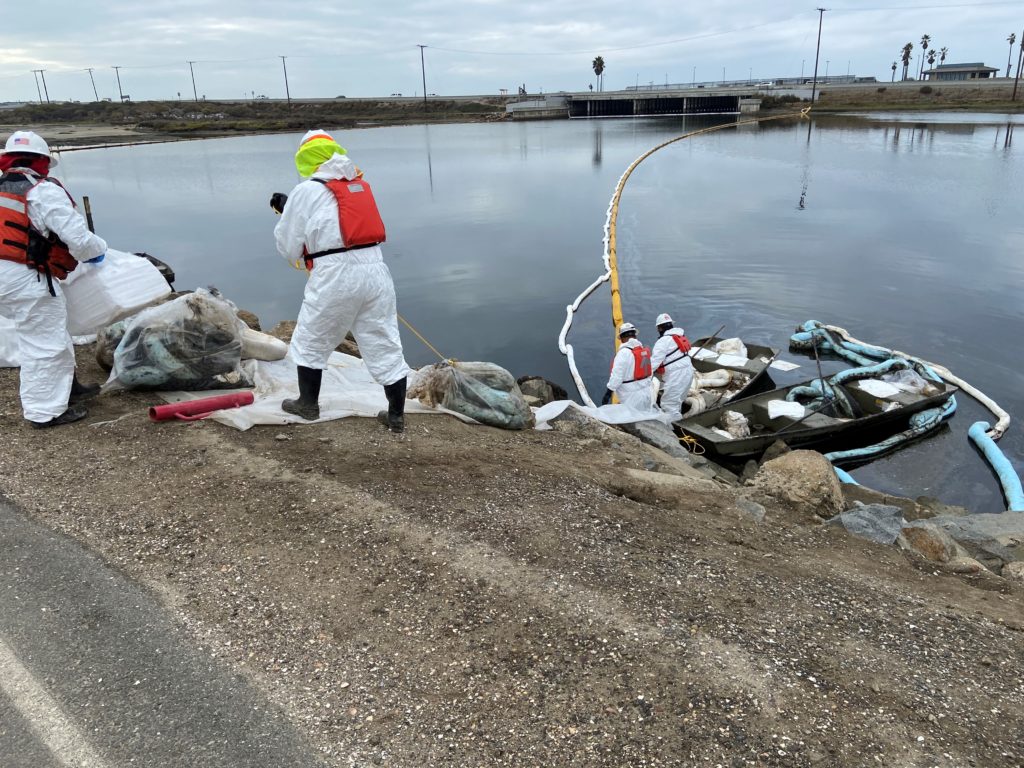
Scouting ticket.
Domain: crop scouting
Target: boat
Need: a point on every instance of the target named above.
(882, 409)
(746, 372)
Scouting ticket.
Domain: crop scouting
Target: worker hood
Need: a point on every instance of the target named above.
(316, 148)
(337, 167)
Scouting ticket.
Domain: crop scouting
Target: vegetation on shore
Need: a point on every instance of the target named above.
(215, 117)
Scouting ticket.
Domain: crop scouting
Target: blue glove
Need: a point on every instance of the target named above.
(97, 260)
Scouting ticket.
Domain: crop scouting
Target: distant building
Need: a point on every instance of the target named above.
(975, 71)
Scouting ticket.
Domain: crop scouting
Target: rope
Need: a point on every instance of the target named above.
(609, 255)
(429, 345)
(691, 444)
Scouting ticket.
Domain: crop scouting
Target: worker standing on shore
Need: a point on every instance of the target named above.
(330, 222)
(631, 372)
(42, 239)
(670, 358)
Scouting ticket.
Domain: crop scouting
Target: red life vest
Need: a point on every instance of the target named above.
(359, 220)
(22, 243)
(641, 363)
(682, 343)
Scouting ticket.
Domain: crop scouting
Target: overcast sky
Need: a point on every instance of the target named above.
(364, 48)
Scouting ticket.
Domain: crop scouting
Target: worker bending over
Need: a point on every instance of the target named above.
(631, 372)
(330, 223)
(42, 239)
(670, 359)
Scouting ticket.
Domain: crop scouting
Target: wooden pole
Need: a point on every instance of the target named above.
(88, 213)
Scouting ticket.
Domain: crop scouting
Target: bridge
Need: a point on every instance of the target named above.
(683, 100)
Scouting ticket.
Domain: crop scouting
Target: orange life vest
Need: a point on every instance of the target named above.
(358, 218)
(641, 363)
(683, 344)
(22, 243)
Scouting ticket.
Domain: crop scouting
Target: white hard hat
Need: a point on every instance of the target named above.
(28, 143)
(627, 328)
(663, 318)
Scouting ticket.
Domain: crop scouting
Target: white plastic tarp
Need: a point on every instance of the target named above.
(609, 414)
(778, 408)
(347, 390)
(878, 388)
(99, 294)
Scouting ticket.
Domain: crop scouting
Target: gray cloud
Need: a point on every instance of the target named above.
(474, 46)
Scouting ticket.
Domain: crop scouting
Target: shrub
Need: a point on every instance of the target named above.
(883, 89)
(926, 89)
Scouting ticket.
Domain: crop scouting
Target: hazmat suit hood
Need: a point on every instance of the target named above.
(337, 167)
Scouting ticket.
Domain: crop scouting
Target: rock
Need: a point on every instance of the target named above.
(542, 388)
(658, 487)
(1014, 572)
(932, 507)
(775, 450)
(750, 510)
(284, 331)
(964, 565)
(749, 470)
(929, 541)
(912, 510)
(991, 538)
(281, 437)
(875, 522)
(249, 319)
(804, 481)
(533, 402)
(349, 347)
(575, 422)
(658, 434)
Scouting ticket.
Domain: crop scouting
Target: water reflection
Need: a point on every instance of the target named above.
(907, 230)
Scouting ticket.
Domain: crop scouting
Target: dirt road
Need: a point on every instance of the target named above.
(463, 596)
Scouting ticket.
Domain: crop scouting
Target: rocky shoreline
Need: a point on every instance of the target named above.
(466, 595)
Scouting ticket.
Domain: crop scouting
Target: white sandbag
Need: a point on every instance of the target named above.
(8, 344)
(99, 294)
(733, 346)
(261, 346)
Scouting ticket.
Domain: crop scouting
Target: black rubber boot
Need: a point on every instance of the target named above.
(70, 416)
(81, 392)
(308, 405)
(394, 417)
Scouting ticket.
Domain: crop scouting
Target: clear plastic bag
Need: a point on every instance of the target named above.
(484, 392)
(190, 343)
(735, 424)
(911, 381)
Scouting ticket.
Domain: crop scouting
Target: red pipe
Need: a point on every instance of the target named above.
(191, 410)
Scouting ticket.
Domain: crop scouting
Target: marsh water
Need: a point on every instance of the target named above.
(908, 230)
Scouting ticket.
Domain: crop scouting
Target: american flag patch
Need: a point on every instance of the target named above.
(21, 140)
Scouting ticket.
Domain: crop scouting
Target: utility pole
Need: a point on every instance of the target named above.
(93, 81)
(42, 74)
(817, 53)
(1020, 61)
(120, 93)
(35, 76)
(827, 62)
(802, 62)
(423, 72)
(694, 82)
(194, 92)
(287, 92)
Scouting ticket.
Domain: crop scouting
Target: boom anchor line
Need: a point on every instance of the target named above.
(611, 273)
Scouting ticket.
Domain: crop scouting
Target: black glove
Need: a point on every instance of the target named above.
(607, 397)
(278, 200)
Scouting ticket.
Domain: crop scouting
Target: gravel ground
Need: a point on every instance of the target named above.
(466, 596)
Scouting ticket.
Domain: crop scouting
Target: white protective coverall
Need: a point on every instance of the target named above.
(345, 291)
(636, 394)
(45, 350)
(678, 373)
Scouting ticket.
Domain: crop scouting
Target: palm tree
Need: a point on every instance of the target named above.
(905, 57)
(1011, 40)
(893, 73)
(925, 39)
(931, 58)
(942, 55)
(599, 70)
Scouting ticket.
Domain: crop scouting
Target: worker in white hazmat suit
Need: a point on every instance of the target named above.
(42, 239)
(670, 358)
(630, 378)
(331, 224)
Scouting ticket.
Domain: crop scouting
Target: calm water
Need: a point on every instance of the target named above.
(906, 229)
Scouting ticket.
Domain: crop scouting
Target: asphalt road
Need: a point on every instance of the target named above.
(95, 674)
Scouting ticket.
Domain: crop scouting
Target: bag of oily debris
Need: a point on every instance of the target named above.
(484, 392)
(735, 424)
(190, 343)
